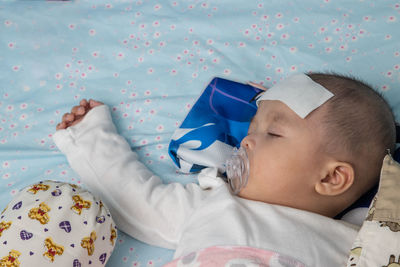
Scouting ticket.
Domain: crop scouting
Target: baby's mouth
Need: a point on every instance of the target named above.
(238, 170)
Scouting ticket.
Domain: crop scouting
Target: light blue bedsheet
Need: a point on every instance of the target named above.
(150, 61)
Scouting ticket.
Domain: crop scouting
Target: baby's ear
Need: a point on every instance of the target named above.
(338, 178)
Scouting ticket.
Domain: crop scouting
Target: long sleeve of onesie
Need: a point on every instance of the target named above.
(141, 205)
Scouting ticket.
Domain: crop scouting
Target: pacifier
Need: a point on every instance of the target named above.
(237, 170)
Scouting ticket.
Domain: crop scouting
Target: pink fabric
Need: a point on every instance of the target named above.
(235, 256)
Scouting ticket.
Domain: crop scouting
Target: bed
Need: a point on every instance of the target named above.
(150, 61)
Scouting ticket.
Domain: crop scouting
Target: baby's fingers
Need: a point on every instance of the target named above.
(77, 113)
(94, 103)
(61, 125)
(83, 103)
(78, 110)
(68, 117)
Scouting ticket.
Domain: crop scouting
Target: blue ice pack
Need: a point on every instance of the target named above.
(218, 121)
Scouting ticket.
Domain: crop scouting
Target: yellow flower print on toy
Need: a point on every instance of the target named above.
(11, 260)
(52, 249)
(80, 204)
(4, 209)
(37, 187)
(113, 235)
(4, 226)
(88, 242)
(40, 213)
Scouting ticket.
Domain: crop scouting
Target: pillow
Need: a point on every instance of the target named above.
(378, 238)
(357, 212)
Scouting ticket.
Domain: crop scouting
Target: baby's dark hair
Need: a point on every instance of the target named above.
(359, 123)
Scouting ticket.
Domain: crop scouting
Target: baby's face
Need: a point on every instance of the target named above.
(284, 155)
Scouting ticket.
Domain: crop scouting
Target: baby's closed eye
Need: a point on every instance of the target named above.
(272, 134)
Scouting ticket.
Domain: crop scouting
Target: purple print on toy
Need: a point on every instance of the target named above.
(103, 258)
(17, 206)
(25, 235)
(56, 193)
(66, 226)
(76, 263)
(100, 219)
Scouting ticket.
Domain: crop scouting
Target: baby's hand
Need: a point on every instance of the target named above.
(77, 113)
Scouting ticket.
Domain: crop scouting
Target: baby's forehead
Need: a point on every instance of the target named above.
(279, 112)
(275, 109)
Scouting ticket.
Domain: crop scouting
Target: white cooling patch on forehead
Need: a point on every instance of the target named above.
(299, 92)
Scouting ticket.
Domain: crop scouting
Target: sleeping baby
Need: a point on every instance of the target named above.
(309, 158)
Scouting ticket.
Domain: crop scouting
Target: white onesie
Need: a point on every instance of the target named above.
(190, 218)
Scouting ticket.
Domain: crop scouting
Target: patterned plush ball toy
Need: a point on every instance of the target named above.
(56, 224)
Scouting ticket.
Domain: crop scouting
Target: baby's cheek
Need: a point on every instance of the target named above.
(257, 169)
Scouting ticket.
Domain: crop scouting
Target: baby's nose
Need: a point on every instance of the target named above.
(247, 142)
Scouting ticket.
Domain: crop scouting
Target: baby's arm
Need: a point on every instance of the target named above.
(140, 204)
